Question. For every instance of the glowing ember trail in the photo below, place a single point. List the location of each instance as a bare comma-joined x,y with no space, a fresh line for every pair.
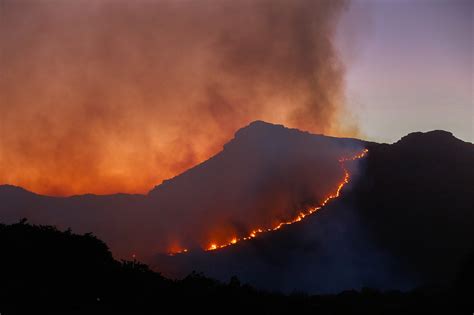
214,246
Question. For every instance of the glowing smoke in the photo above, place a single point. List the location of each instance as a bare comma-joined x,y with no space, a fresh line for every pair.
105,96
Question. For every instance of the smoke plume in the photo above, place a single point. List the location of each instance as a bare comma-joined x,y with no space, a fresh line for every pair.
105,96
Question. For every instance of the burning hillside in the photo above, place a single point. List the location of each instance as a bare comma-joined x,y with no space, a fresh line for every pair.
301,215
267,176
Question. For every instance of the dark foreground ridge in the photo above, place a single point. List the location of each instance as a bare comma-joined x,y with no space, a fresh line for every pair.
46,271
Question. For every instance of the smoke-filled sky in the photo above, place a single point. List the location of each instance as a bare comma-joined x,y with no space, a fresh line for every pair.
106,96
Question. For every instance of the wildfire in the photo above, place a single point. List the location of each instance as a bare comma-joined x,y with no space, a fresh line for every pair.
178,251
300,216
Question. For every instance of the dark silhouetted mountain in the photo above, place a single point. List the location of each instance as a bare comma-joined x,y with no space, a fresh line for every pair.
416,200
406,220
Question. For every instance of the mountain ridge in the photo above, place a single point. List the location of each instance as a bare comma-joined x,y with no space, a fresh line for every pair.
262,161
410,186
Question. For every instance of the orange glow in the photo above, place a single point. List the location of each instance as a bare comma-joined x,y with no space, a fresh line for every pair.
213,247
80,114
176,248
303,214
179,251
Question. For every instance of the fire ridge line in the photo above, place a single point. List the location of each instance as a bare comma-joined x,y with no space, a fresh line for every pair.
298,218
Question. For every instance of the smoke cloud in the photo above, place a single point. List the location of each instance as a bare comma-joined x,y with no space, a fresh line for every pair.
105,96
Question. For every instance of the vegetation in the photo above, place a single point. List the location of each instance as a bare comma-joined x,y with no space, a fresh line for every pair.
46,271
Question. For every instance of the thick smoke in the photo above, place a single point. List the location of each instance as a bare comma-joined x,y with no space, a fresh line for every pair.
105,96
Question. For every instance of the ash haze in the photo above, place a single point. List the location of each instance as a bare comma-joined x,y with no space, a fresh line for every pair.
106,96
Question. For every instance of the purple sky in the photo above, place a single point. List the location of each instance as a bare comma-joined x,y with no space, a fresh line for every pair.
409,66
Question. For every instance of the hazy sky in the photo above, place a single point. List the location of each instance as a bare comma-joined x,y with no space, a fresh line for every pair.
116,95
409,66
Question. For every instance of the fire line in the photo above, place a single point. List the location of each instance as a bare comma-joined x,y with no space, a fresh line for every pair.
253,234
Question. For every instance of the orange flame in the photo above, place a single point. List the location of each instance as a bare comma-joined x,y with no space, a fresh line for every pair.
300,216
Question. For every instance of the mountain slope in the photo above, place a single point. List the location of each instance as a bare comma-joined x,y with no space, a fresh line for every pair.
406,220
416,201
266,174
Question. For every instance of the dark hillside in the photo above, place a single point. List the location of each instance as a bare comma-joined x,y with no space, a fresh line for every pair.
416,199
45,271
405,220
